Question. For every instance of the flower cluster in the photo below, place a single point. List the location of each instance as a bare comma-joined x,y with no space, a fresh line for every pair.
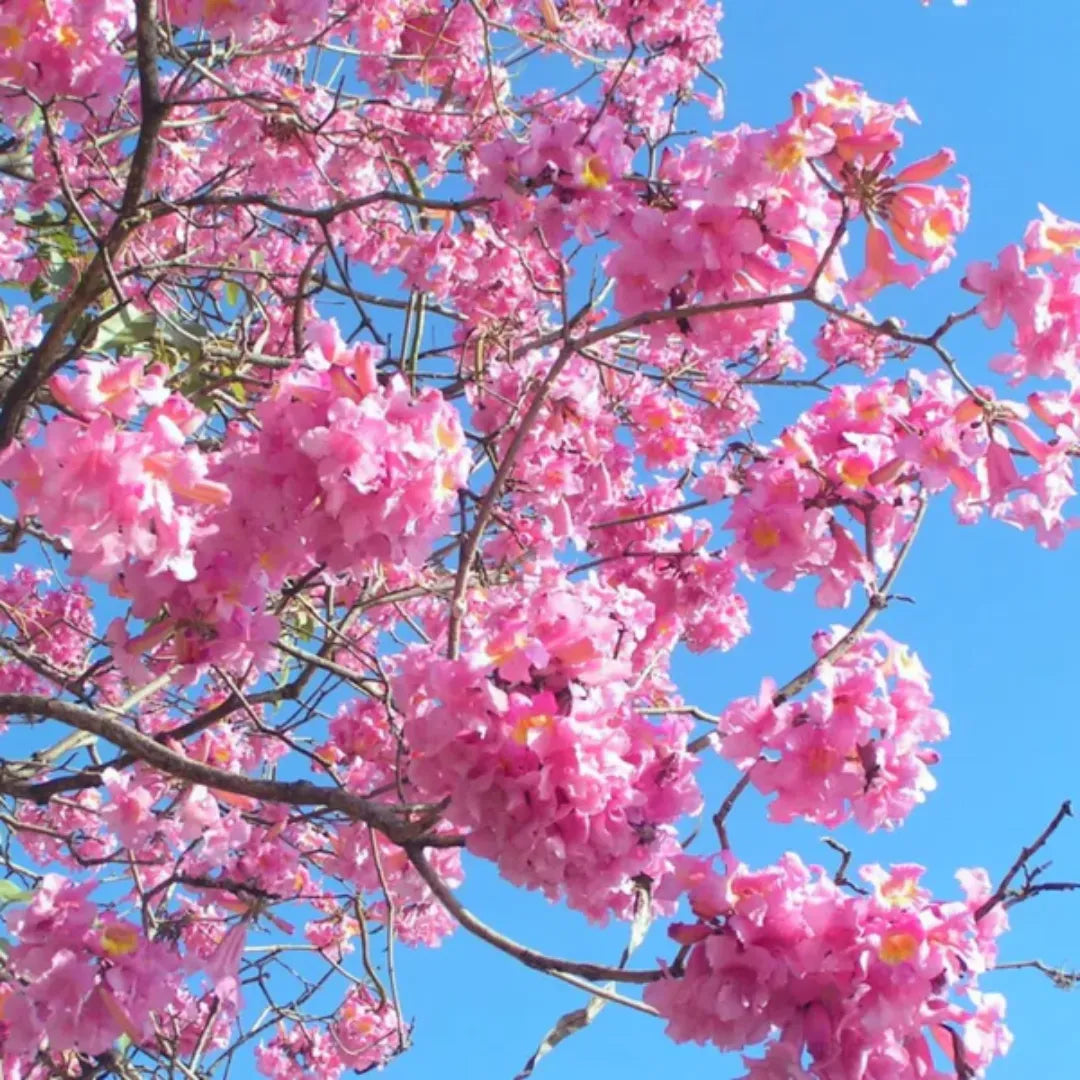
48,625
78,979
369,755
858,747
343,471
861,985
363,1034
379,601
664,556
533,736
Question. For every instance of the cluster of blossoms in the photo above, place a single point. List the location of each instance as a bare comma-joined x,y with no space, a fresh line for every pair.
870,454
341,471
80,978
843,341
77,980
857,747
664,556
854,984
364,1034
47,625
61,49
119,497
368,754
573,467
533,736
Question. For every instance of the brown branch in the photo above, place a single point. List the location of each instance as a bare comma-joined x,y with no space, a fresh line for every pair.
529,957
41,793
633,519
487,504
577,1020
50,353
326,214
682,710
1001,893
963,1070
1062,979
879,600
393,821
721,815
840,877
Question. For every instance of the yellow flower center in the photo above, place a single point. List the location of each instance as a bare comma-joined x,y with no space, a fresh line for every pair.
899,893
595,174
764,534
1063,240
856,472
937,230
820,760
445,436
500,651
528,724
786,155
898,948
119,940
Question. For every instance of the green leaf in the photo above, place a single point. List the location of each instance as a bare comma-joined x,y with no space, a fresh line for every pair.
39,219
183,334
61,275
122,330
232,293
10,893
31,121
66,244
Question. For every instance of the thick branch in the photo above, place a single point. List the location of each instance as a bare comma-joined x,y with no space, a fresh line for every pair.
392,821
326,214
50,354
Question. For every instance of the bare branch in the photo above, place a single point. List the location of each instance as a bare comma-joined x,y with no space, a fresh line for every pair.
529,957
1001,893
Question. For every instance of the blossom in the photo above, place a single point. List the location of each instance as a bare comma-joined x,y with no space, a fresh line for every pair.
1009,289
532,736
860,747
787,959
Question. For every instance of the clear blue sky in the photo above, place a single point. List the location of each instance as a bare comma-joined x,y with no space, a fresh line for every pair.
995,619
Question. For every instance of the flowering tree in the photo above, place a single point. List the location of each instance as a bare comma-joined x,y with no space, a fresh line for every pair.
378,382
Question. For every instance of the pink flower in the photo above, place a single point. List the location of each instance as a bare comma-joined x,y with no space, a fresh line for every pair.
791,961
882,268
860,748
1009,289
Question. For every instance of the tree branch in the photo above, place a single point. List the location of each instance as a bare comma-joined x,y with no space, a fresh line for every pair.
393,821
50,353
1002,891
529,957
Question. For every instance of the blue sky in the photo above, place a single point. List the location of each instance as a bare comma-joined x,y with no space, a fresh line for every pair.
994,614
